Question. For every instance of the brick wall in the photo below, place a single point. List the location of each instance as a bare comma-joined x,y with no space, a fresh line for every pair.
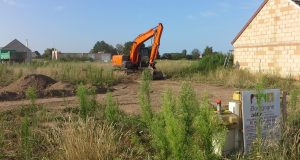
271,42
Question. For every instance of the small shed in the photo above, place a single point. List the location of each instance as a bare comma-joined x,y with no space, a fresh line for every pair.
270,40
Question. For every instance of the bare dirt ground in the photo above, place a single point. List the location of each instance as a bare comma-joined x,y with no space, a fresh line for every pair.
127,96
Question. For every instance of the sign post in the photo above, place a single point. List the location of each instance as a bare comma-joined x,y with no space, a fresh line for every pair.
263,108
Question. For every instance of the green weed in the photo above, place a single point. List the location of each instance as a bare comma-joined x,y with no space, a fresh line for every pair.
144,97
31,95
87,101
112,112
185,128
26,139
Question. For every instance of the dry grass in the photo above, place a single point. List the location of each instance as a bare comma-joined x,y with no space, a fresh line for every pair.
90,140
174,68
76,72
229,77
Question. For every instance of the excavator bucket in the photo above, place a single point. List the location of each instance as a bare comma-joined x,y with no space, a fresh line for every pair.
158,75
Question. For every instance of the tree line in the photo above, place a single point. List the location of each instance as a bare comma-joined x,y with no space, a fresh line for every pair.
104,47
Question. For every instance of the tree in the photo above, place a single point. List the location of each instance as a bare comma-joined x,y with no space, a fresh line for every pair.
120,48
37,53
48,53
208,51
103,47
195,53
166,56
127,48
184,52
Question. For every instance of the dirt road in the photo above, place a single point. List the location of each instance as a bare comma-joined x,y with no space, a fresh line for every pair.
127,96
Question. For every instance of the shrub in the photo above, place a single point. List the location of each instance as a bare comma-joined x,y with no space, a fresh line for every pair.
209,63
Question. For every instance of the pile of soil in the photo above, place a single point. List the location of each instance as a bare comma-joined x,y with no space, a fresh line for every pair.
60,89
17,89
45,87
37,81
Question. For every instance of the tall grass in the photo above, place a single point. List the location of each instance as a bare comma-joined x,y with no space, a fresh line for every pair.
90,140
210,70
74,72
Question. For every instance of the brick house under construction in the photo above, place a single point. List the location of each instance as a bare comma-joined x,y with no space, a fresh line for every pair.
270,41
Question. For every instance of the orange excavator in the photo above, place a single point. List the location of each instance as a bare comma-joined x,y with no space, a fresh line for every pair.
141,57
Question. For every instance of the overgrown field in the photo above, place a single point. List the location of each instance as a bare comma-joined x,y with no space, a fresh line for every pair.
74,72
205,72
184,129
208,70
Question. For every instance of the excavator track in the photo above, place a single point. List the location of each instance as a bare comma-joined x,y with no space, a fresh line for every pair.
136,74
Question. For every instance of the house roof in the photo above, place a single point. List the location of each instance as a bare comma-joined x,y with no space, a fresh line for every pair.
17,46
254,15
297,2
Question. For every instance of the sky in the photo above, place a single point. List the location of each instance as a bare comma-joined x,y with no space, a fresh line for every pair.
76,25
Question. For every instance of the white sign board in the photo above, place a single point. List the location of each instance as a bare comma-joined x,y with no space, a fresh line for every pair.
269,114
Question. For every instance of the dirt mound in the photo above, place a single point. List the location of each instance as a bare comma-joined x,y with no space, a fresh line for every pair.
60,89
45,87
17,89
37,81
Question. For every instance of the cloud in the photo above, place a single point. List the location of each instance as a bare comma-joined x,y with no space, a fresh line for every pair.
208,14
59,8
9,2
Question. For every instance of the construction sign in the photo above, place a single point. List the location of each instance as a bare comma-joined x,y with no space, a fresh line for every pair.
261,115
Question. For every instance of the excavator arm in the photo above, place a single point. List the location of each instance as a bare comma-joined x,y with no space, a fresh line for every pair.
156,44
154,32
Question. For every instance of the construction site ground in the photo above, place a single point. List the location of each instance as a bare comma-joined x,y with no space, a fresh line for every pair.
127,93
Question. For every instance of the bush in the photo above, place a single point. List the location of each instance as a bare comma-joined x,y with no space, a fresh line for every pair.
209,63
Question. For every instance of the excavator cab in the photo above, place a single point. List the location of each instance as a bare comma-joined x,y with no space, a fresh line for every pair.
123,61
